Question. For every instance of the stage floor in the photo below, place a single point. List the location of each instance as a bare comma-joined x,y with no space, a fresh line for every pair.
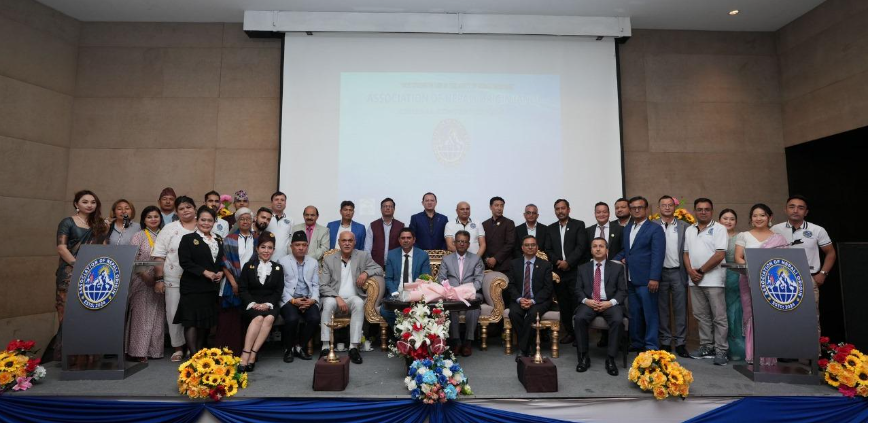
492,374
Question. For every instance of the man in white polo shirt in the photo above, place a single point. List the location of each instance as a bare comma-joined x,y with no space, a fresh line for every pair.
281,225
705,244
811,238
463,222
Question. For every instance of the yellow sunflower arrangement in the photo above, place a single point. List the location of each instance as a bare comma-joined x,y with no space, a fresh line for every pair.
681,213
211,373
18,367
658,372
846,369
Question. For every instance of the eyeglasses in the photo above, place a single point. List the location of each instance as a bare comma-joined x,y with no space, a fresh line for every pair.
245,219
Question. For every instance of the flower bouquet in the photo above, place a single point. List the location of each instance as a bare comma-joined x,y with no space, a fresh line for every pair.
18,368
658,371
681,213
436,379
420,331
211,373
845,369
225,201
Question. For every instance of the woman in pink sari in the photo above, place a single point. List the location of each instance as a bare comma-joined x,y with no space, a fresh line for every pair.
760,236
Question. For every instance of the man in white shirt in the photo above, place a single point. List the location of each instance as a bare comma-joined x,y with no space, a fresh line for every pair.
674,280
221,226
463,223
705,244
811,238
281,225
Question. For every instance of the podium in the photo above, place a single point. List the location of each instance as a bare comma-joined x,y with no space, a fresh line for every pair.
784,318
96,311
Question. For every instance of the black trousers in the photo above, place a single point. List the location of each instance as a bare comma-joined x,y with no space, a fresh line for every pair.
292,316
564,291
584,316
522,321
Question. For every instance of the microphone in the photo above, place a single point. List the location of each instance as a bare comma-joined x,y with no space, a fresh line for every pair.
126,221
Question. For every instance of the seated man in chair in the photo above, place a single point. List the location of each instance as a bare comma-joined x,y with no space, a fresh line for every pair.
601,289
531,286
341,283
403,265
460,268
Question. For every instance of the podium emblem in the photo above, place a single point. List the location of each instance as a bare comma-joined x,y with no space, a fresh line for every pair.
781,284
99,283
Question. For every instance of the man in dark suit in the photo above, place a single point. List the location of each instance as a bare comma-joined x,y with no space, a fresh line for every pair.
531,227
499,237
403,265
600,291
603,228
644,256
531,286
566,245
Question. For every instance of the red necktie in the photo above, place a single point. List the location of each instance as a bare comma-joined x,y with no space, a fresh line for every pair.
595,295
526,288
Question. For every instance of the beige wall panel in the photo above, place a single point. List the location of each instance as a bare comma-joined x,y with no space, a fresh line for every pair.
819,19
709,42
635,126
837,108
251,72
33,113
248,123
35,226
255,171
150,34
191,72
32,170
234,36
36,57
715,127
144,123
119,72
830,56
140,173
632,72
34,277
42,18
709,78
37,327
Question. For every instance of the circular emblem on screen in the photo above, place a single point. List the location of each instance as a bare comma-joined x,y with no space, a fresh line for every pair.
781,284
98,283
450,142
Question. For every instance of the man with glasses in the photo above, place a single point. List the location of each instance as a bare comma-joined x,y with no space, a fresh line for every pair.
531,286
531,227
643,254
674,279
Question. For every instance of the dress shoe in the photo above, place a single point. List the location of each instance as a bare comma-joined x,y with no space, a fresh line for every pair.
324,352
611,367
302,353
584,363
355,357
518,357
682,351
466,349
288,356
569,339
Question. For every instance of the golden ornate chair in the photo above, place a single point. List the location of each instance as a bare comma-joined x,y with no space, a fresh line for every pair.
550,320
492,309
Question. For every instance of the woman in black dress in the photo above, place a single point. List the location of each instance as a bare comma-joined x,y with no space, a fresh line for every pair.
260,286
200,254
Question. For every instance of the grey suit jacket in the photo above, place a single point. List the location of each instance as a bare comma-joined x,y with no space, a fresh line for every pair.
319,243
680,230
291,277
472,273
330,278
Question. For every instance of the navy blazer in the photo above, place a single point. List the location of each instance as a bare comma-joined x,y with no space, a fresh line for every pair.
358,229
420,265
429,237
645,258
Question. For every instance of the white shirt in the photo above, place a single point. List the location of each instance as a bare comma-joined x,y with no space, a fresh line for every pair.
166,246
562,229
220,228
700,248
263,270
211,242
671,233
531,231
810,236
245,248
602,265
409,271
341,228
348,285
369,238
634,231
283,230
474,229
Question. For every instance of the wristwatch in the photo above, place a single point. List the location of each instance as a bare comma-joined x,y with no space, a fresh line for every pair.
824,272
700,271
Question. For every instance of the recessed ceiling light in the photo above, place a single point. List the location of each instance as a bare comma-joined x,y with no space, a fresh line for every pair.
733,12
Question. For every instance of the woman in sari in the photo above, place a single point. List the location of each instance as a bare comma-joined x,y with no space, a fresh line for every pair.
147,306
760,236
84,227
735,339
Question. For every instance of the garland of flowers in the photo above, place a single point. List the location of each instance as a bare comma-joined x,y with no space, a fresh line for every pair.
681,213
436,380
211,373
18,367
658,371
846,368
420,331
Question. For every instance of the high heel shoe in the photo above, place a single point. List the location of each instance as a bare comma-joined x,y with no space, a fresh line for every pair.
241,368
251,364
